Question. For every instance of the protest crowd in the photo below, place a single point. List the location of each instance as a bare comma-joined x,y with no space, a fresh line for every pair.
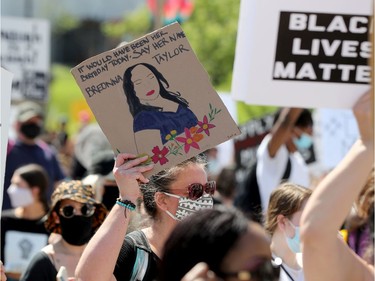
74,209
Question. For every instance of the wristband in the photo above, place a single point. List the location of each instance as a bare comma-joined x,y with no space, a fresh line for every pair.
126,204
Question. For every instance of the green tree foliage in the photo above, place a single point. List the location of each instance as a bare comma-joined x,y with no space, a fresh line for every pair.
212,31
132,26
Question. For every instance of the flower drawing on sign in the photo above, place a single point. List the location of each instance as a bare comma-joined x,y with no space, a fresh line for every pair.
205,126
183,143
159,155
191,139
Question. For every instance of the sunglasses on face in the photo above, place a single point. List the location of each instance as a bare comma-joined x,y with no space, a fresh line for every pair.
196,190
268,270
68,211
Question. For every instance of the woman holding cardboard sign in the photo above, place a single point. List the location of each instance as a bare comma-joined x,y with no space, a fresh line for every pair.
326,257
168,197
157,112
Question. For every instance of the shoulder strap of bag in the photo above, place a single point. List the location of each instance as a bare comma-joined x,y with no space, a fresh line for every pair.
141,260
140,265
287,170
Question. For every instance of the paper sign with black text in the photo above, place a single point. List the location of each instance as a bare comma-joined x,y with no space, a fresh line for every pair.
25,51
303,53
152,96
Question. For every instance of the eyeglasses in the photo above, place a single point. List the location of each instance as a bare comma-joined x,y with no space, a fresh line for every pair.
68,211
196,190
268,270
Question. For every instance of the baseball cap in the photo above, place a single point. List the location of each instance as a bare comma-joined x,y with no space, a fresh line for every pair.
28,110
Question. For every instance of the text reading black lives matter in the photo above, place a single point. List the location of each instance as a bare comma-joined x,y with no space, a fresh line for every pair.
323,48
155,44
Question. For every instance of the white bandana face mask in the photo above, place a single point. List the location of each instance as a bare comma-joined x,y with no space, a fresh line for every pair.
20,197
186,206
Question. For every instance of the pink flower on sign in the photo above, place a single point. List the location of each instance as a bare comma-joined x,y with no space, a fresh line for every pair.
159,155
205,126
190,140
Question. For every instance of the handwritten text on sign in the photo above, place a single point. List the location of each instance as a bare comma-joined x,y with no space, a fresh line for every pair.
146,46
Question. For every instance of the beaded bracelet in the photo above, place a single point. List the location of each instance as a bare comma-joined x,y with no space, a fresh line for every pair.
126,204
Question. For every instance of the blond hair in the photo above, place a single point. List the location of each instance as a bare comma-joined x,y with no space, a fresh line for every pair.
285,200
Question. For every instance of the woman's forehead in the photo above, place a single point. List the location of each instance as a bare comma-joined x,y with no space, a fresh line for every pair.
140,70
192,173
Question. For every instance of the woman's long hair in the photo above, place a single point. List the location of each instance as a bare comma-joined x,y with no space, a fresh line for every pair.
135,106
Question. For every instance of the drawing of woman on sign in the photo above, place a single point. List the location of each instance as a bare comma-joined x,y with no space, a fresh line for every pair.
156,111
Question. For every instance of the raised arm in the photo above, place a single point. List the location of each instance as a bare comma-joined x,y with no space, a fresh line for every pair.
325,256
282,129
99,257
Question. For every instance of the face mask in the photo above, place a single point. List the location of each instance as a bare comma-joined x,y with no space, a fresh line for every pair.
294,243
303,142
76,230
31,130
213,166
20,197
186,206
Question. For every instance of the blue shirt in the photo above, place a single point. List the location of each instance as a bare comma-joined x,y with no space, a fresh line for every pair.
165,121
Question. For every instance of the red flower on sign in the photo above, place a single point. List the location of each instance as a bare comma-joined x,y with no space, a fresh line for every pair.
159,155
190,140
205,126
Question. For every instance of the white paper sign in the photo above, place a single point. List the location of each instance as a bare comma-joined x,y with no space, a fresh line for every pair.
6,86
335,132
20,247
302,53
25,51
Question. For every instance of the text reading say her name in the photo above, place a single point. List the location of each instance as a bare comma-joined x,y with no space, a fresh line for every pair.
144,46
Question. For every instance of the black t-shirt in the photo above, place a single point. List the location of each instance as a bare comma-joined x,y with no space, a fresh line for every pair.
133,242
22,238
40,269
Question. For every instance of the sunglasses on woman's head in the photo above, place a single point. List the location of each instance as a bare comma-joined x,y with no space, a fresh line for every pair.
268,270
68,211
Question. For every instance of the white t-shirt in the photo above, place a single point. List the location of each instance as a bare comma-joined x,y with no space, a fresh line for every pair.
270,170
297,275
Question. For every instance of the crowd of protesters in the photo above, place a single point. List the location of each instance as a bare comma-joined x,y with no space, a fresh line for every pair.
75,209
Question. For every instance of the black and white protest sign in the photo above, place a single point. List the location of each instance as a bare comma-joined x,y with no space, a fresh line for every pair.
323,47
303,53
25,51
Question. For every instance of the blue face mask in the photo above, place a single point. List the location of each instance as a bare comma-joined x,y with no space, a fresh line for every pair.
303,142
294,243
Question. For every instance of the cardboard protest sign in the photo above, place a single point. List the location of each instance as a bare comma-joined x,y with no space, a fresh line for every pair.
303,53
25,51
6,86
152,96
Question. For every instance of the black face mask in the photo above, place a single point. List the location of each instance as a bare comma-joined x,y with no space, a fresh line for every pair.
109,196
30,130
76,230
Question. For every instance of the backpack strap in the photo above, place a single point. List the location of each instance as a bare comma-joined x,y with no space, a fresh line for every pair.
287,170
142,256
140,265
